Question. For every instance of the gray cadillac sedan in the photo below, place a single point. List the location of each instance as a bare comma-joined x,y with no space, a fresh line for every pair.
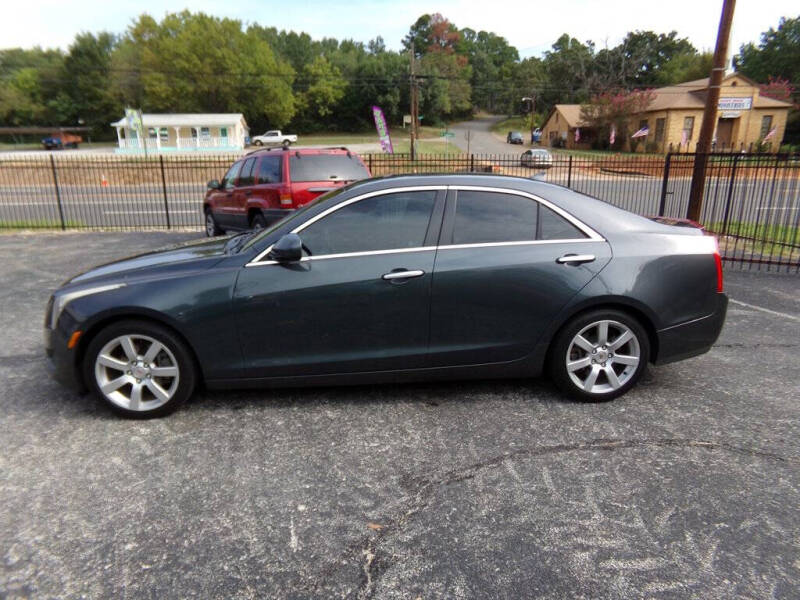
403,278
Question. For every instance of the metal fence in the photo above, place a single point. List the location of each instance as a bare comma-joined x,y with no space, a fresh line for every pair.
752,201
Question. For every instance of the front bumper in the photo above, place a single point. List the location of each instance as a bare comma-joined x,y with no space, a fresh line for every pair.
693,338
61,361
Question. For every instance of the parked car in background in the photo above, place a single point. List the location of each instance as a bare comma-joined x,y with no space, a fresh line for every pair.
537,158
60,140
266,185
274,138
403,278
514,137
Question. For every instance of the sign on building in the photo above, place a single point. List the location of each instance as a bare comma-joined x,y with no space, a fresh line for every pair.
732,104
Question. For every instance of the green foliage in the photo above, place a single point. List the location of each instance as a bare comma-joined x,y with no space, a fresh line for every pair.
777,54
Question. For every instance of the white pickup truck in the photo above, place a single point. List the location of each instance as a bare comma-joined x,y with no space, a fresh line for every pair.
274,138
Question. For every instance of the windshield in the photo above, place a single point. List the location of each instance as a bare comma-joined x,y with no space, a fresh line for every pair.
295,216
326,167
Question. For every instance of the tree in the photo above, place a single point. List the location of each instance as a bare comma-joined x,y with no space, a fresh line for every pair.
325,89
198,63
614,109
568,66
647,53
432,33
777,54
30,81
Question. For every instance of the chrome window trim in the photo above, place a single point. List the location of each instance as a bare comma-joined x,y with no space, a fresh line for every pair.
593,235
417,188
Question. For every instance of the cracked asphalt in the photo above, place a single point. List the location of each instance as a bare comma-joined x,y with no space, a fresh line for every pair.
689,486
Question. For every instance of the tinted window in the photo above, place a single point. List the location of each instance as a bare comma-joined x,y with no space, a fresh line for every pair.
385,222
269,171
553,226
231,175
485,217
326,167
246,177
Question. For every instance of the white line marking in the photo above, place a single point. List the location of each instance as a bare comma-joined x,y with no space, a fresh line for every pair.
766,310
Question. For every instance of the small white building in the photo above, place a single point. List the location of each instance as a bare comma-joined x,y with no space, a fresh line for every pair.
185,132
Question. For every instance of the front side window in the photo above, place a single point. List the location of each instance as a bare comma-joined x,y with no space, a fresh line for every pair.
247,177
388,222
231,175
269,171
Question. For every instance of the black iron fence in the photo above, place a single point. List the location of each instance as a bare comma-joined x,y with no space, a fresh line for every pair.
752,201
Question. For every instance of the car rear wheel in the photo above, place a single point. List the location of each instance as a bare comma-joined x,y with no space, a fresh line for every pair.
286,143
599,355
212,229
258,222
258,143
139,369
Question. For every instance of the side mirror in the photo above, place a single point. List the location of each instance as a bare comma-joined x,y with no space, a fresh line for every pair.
287,249
213,184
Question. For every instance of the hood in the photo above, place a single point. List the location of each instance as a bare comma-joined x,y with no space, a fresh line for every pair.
204,251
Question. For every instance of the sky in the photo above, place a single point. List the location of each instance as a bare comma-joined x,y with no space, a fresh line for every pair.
531,25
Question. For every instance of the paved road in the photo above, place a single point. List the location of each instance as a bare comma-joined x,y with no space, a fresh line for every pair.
687,487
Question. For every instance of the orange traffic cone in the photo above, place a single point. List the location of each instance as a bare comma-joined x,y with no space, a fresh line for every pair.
103,181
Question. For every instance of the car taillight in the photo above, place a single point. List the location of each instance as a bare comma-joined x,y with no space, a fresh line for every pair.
286,198
718,261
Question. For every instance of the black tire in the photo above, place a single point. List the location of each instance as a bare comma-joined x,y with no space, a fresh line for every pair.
258,143
258,222
562,343
186,371
286,143
212,227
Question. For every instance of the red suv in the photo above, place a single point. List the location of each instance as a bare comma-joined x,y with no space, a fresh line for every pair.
266,185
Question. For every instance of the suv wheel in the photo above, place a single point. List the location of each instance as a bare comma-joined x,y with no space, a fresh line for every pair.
139,369
258,222
599,356
212,229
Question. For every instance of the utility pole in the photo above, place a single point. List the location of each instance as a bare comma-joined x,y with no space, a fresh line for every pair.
710,112
414,96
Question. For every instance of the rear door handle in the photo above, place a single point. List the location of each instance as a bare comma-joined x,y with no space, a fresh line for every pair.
402,275
575,259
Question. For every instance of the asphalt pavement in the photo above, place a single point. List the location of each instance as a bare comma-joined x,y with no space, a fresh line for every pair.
689,486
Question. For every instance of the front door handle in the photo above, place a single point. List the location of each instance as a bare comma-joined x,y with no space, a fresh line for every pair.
402,275
575,259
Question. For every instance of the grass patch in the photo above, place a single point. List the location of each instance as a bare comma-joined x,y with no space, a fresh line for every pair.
366,137
763,231
38,224
511,124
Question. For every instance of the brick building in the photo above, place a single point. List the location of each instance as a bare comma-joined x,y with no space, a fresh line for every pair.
744,117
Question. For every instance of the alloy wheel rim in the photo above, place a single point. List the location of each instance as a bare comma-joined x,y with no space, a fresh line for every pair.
137,372
603,356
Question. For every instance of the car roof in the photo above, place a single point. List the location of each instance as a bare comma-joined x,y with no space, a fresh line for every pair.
302,151
605,218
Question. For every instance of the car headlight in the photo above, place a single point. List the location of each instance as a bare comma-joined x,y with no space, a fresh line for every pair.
60,301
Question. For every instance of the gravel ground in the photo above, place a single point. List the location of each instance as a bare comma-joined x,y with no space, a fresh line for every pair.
689,486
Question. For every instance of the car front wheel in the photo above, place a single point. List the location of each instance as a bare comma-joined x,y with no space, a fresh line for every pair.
212,229
139,369
599,356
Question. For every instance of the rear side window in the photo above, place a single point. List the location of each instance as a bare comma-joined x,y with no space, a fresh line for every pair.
326,167
553,226
269,170
487,217
494,217
247,177
387,222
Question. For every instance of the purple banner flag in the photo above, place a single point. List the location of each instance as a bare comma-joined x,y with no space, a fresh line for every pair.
383,130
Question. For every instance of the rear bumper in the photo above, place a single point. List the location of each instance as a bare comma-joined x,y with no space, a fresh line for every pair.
693,338
273,215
